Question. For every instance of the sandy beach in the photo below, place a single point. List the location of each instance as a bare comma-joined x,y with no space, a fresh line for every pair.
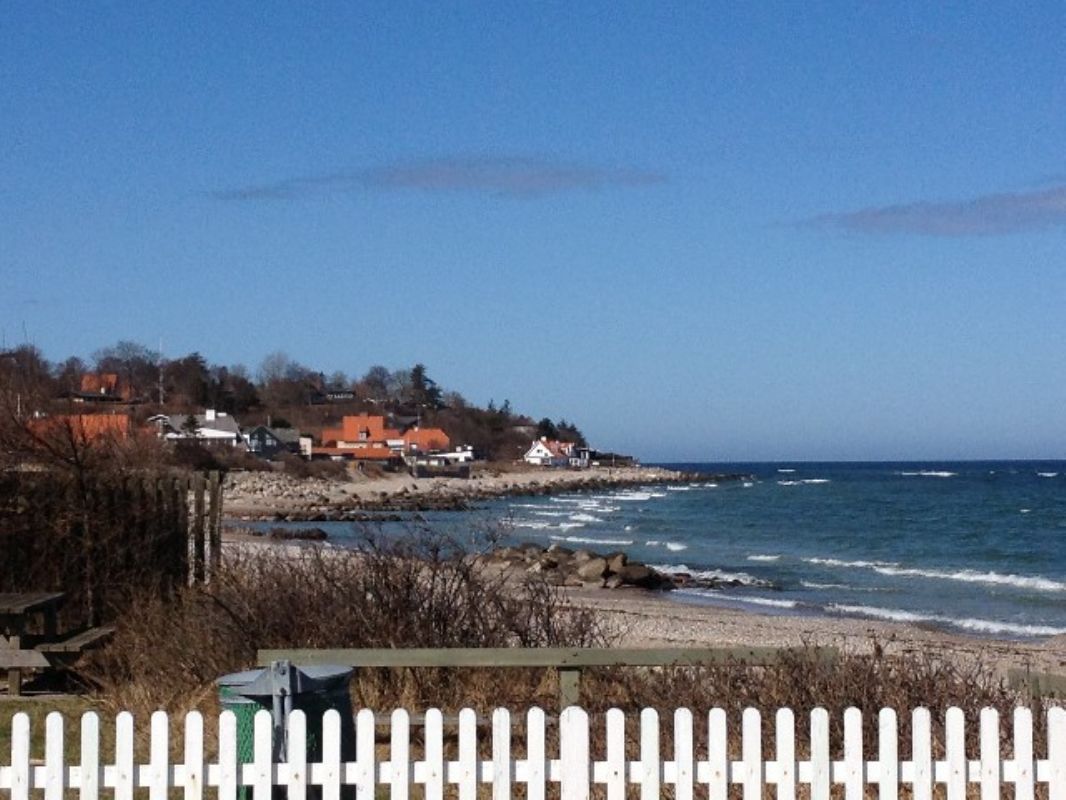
646,619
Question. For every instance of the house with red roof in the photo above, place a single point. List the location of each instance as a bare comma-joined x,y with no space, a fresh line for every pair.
84,428
547,452
367,437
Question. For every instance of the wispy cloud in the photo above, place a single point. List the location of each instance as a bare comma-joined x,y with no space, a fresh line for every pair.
504,176
987,215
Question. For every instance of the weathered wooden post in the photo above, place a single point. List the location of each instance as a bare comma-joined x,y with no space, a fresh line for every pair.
215,522
198,487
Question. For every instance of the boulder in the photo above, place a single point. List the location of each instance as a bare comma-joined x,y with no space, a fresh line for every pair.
636,574
616,561
593,569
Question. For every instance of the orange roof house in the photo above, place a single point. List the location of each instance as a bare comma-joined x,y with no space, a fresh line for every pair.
105,385
360,428
366,437
84,428
426,439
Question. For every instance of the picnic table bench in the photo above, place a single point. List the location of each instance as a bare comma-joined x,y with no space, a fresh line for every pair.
22,650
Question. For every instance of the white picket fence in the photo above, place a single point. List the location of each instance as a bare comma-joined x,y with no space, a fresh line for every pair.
687,773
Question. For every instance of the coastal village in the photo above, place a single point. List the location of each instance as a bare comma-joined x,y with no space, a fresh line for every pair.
106,407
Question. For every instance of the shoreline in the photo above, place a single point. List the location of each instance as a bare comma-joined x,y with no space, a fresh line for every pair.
647,619
277,497
643,618
640,618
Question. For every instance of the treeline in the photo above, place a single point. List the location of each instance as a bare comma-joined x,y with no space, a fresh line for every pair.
281,391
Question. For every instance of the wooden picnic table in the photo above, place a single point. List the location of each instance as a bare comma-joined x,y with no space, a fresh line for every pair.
24,646
17,610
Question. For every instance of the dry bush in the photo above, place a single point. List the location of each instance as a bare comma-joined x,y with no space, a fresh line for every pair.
411,592
802,681
302,468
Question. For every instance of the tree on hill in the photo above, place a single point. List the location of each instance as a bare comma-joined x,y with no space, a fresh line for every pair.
568,432
546,429
424,390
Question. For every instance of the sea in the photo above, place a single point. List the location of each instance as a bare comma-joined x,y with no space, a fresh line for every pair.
974,547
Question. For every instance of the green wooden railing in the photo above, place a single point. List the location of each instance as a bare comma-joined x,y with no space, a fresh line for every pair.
568,661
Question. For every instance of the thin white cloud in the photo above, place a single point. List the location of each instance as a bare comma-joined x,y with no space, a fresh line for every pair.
987,215
496,175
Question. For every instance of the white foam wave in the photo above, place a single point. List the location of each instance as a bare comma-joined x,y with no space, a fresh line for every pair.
838,562
804,482
1036,582
679,488
930,473
551,513
633,496
761,557
747,484
676,547
765,601
531,524
592,540
584,518
742,578
710,486
966,623
786,470
739,598
815,585
1048,474
540,525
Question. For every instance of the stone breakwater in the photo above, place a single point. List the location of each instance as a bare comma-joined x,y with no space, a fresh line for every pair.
561,566
268,496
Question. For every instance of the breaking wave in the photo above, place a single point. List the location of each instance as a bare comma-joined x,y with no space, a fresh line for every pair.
741,578
966,623
592,540
973,576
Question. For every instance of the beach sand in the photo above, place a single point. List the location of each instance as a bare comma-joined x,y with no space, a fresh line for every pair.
646,619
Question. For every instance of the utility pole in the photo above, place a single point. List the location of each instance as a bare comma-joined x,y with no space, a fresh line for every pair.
160,366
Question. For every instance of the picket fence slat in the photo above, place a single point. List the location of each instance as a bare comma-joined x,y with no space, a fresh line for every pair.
508,763
1056,757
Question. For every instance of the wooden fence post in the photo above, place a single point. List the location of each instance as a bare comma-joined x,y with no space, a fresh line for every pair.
198,488
214,522
569,687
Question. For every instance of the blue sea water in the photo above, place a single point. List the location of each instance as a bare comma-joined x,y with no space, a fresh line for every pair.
978,547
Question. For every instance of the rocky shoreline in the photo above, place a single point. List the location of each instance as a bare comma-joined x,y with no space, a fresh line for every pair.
266,496
586,569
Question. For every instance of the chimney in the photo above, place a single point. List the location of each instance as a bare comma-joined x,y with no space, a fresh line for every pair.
209,415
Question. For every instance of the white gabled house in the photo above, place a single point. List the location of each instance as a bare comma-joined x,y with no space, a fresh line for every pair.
547,452
211,427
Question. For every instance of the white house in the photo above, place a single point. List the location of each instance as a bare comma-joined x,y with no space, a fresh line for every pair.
547,452
211,427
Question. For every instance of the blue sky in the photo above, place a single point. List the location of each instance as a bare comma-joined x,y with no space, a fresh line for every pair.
702,231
